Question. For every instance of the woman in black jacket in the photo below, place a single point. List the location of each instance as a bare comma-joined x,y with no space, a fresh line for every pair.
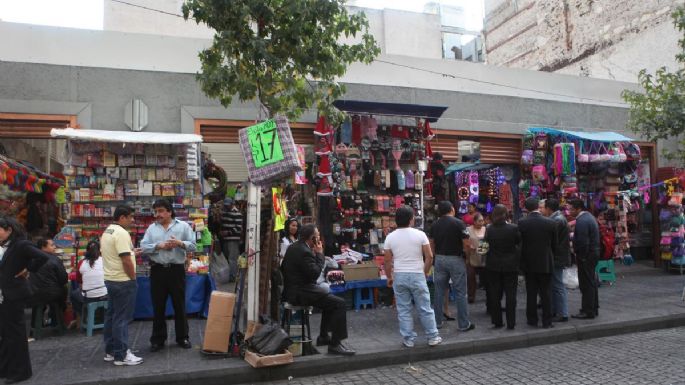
502,266
18,256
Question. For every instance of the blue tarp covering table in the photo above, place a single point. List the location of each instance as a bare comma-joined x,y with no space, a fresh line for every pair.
198,290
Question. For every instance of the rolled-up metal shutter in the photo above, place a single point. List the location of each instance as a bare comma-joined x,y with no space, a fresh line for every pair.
500,150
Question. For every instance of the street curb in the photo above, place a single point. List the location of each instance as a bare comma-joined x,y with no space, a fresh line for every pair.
317,365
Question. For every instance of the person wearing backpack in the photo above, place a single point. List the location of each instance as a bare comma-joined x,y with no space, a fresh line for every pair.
586,246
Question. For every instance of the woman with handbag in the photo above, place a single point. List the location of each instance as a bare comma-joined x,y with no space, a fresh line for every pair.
475,257
502,266
18,256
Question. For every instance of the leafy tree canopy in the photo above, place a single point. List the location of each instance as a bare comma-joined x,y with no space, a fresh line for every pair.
270,49
658,112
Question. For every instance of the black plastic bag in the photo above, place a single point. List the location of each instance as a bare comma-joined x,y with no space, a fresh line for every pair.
270,339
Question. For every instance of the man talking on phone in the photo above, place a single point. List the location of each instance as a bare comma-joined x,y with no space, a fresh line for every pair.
302,265
167,242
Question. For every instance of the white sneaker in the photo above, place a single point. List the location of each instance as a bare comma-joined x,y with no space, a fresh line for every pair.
408,343
109,358
435,341
130,360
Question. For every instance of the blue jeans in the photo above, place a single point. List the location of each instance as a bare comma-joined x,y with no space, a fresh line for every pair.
559,300
446,267
121,304
408,287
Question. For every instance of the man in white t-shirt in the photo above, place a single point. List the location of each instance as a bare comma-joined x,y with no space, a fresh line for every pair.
408,260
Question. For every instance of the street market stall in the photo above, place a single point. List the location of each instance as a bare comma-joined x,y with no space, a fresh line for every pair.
108,168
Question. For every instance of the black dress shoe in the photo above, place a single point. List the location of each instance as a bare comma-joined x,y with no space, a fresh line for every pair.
583,316
340,349
533,324
185,344
448,317
15,380
497,326
560,319
323,340
156,347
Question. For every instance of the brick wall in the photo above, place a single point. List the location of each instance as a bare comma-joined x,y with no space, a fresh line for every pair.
580,36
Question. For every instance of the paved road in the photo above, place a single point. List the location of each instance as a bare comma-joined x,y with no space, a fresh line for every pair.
655,357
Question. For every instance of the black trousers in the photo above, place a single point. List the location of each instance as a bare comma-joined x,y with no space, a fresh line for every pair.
588,285
333,317
15,362
539,284
502,282
165,282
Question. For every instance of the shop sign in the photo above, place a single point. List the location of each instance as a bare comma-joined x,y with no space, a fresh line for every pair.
264,142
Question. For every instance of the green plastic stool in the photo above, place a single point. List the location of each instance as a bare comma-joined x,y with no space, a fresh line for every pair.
605,271
37,327
88,316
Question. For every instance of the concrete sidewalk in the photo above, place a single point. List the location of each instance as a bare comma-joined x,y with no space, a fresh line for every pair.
642,299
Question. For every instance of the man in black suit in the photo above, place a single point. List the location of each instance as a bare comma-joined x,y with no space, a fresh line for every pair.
539,240
586,247
302,265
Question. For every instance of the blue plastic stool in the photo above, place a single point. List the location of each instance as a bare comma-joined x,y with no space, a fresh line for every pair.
605,271
361,300
89,315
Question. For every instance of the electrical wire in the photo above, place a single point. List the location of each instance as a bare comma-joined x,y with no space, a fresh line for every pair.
146,8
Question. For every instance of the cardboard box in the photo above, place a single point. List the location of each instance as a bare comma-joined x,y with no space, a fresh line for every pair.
360,272
219,322
259,361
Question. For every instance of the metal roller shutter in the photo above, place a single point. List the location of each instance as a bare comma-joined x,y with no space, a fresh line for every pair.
500,150
32,126
447,145
229,157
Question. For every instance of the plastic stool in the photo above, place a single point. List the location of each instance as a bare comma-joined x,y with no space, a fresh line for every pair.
605,271
303,312
360,300
37,312
88,316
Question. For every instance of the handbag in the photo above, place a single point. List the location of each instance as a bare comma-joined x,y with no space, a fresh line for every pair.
582,157
539,173
270,339
272,165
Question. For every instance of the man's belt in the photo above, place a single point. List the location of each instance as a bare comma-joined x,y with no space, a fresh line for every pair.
166,265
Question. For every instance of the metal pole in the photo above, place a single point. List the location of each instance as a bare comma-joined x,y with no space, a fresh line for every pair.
251,249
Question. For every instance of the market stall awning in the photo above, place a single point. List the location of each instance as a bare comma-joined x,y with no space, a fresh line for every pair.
432,113
602,136
124,136
454,167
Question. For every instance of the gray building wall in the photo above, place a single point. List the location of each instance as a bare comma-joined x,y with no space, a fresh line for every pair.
99,95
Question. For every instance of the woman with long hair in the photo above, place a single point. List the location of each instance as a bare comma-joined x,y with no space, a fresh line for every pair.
502,266
475,257
18,256
288,235
90,275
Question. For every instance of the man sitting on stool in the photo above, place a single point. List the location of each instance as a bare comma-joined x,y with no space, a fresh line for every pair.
301,268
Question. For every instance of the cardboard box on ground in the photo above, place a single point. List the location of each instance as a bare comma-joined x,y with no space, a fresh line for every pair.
360,271
219,322
257,360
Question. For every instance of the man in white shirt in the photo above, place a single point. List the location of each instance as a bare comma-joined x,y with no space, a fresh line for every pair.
406,268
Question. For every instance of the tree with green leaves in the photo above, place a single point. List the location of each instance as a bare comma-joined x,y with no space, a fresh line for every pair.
658,111
284,53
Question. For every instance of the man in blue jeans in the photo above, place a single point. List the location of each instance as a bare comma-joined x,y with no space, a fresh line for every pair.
448,234
406,269
120,279
562,260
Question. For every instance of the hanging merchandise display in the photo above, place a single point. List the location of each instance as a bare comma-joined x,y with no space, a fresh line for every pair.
672,242
482,185
364,172
600,168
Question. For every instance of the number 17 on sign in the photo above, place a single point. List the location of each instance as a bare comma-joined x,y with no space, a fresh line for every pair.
264,142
